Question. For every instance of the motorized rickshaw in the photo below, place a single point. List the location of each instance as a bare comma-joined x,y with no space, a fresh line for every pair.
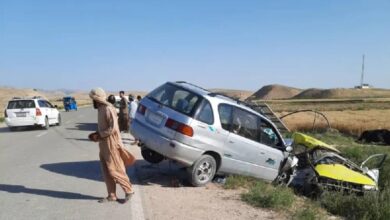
70,103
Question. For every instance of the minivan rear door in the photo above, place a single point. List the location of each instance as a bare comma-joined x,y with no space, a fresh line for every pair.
168,102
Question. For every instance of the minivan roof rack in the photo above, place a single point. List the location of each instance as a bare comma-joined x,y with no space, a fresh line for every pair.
214,94
184,82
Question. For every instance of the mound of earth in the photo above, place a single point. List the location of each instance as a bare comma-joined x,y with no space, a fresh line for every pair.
275,92
55,96
342,93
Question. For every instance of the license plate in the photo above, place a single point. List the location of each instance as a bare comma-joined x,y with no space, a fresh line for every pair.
155,119
21,114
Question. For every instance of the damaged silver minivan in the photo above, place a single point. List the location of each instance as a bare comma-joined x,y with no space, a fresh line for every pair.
209,133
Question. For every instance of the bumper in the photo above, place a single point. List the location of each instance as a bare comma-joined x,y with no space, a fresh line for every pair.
170,148
16,122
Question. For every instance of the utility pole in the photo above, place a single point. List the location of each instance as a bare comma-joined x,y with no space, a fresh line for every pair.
362,78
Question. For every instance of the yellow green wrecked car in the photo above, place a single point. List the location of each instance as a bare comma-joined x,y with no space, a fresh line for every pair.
322,168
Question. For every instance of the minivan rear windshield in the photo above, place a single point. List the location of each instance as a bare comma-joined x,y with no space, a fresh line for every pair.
17,104
175,97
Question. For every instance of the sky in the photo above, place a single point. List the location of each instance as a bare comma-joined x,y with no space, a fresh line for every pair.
138,45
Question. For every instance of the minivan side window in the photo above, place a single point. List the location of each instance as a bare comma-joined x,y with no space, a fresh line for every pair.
206,113
246,124
268,135
225,115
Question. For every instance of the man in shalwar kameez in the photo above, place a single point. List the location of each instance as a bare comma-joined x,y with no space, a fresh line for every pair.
123,113
108,136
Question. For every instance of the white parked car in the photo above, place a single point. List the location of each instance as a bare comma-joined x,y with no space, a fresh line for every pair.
34,111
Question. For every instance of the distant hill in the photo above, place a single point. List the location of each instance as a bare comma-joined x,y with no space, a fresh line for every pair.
238,94
342,93
275,92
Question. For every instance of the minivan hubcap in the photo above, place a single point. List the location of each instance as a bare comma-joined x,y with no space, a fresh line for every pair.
204,171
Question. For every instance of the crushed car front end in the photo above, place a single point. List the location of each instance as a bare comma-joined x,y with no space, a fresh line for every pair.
323,168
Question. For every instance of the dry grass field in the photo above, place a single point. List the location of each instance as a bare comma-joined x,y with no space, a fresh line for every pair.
352,122
348,116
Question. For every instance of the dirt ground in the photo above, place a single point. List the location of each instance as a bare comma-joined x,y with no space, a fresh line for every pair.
166,194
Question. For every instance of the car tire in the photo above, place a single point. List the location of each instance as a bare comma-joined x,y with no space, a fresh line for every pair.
203,170
59,120
47,125
151,156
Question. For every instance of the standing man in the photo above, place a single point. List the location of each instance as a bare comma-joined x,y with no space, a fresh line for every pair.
132,111
133,107
139,98
110,144
123,113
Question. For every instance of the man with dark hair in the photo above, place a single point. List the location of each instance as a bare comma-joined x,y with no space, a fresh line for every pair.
139,98
110,146
123,113
111,99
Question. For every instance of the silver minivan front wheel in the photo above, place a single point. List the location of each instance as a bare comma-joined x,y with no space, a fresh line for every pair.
203,170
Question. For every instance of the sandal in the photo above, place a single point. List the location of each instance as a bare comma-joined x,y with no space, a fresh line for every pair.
107,199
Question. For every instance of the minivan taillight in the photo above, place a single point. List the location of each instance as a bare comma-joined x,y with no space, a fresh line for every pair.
141,109
38,112
179,127
5,113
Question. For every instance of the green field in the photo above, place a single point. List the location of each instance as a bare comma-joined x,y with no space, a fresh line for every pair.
370,206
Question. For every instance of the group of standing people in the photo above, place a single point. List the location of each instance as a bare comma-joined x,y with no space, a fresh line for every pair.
127,109
113,156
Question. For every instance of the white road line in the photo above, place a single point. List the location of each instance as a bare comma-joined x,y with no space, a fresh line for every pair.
137,210
41,134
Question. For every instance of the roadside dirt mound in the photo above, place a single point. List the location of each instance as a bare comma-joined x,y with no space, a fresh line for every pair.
238,94
275,92
7,93
54,96
342,93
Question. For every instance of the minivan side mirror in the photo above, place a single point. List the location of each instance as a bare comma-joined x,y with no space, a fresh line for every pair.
289,149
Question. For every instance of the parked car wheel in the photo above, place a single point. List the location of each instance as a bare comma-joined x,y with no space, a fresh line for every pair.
203,170
47,125
151,156
59,120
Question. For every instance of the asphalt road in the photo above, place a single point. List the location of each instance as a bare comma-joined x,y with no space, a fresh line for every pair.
55,173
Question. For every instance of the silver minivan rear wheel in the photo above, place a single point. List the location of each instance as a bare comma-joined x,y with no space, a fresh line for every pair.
151,156
203,170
